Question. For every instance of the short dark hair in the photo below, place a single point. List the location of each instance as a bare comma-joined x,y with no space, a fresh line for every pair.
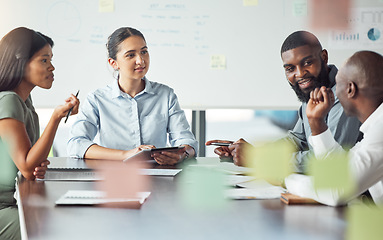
16,48
117,37
298,39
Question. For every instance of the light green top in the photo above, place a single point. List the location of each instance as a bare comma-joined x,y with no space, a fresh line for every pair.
12,106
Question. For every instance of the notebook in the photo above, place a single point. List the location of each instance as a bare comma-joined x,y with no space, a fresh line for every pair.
72,175
67,163
70,169
91,197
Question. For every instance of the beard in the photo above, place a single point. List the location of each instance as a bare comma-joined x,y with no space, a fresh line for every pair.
321,80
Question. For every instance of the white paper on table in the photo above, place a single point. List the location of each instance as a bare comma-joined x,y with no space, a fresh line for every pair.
160,172
85,175
90,197
257,184
225,167
233,169
247,193
255,189
234,180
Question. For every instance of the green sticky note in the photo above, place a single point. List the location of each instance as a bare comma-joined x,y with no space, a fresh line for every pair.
8,169
271,161
332,172
300,8
364,222
202,188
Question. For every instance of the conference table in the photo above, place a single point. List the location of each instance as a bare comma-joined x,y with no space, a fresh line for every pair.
164,216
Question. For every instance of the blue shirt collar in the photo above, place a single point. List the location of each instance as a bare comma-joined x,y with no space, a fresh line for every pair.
116,92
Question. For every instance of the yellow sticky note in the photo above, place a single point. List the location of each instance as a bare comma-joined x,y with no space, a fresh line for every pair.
271,161
364,222
332,172
247,3
106,5
218,62
300,8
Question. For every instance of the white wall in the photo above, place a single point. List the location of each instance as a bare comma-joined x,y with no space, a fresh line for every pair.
182,35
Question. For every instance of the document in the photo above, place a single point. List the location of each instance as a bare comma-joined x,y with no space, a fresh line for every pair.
255,189
71,175
160,172
248,193
90,197
231,168
234,180
226,167
89,175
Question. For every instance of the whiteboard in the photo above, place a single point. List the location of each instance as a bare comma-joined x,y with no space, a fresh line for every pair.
182,36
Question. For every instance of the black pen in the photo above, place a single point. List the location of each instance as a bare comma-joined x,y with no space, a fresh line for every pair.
221,144
70,110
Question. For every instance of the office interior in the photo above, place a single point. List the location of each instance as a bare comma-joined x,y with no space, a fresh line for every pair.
222,58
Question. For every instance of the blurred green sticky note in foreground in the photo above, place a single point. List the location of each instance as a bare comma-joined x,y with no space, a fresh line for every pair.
364,222
202,188
332,172
8,168
271,161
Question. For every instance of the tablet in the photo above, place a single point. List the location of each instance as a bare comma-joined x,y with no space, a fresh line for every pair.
145,154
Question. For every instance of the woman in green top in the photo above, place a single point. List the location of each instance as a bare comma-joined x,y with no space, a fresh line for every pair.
25,62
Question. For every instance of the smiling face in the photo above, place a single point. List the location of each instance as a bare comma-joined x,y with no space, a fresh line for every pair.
39,69
305,69
132,59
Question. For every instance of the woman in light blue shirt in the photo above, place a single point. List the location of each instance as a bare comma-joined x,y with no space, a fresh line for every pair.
131,113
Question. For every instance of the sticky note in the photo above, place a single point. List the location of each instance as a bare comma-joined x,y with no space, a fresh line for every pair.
218,62
202,188
7,166
364,222
329,14
123,180
271,161
300,8
332,172
247,3
106,5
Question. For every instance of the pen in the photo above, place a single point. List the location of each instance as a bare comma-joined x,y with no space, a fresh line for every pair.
70,110
220,144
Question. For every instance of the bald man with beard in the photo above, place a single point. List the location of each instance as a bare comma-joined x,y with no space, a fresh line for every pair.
360,91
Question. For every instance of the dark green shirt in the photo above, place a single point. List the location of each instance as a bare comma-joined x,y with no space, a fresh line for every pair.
12,106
